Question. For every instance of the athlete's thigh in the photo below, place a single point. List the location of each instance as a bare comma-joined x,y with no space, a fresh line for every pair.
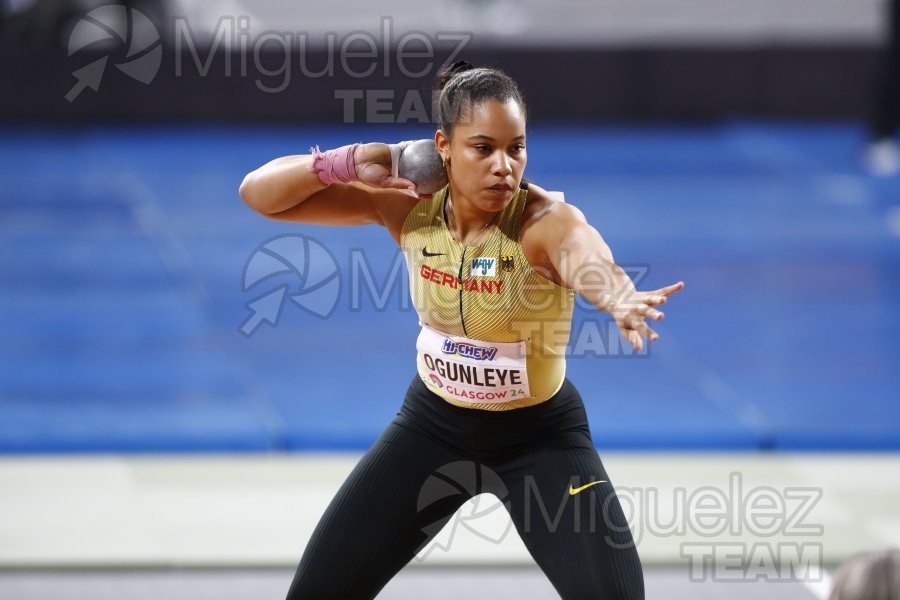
564,507
377,521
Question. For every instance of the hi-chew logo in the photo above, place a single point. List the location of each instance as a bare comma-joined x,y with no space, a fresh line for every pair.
483,267
468,350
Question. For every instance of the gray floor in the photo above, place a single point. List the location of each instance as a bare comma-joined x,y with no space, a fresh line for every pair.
223,520
411,583
242,511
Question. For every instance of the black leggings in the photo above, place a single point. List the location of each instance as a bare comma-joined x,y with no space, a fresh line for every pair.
433,457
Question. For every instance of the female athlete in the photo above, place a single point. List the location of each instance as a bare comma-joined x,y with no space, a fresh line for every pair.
494,264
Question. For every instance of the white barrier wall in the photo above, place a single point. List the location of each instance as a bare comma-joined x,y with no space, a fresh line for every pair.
561,23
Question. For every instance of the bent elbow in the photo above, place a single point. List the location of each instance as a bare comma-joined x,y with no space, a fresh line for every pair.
248,191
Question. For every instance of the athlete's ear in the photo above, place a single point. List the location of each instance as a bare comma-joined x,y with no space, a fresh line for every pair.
442,143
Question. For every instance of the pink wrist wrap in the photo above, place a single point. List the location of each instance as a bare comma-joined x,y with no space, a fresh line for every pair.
334,166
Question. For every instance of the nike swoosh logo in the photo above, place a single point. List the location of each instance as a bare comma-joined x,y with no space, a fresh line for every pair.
428,254
573,491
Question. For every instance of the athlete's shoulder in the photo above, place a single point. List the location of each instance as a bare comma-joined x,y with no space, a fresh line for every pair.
544,208
394,207
546,221
420,217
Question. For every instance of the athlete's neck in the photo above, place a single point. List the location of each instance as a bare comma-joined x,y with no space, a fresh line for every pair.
466,221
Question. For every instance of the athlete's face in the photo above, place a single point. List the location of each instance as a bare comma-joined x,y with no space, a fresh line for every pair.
486,154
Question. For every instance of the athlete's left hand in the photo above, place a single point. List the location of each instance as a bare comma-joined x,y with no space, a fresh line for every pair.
630,312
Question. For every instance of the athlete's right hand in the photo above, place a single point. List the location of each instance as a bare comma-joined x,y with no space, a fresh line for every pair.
373,167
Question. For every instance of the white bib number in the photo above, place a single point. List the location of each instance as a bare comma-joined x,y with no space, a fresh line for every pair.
472,370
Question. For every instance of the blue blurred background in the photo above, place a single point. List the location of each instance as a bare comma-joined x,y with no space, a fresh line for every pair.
730,149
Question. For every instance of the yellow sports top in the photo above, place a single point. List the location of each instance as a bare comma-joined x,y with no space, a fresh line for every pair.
488,293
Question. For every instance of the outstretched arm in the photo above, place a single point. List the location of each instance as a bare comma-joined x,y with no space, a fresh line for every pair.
584,263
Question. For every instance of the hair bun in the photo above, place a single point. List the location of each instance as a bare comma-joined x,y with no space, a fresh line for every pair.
460,66
448,72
